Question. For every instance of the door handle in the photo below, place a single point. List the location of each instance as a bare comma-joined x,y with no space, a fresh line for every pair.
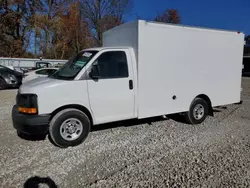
131,84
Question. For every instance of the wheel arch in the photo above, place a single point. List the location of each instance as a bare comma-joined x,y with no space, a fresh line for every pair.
2,78
76,106
207,99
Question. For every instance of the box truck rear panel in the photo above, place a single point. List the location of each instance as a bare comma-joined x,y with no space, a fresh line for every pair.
178,63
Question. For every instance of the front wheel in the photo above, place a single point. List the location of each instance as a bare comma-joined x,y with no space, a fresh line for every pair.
69,127
198,111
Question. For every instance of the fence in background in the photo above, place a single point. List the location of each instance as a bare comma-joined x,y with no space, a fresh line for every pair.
26,62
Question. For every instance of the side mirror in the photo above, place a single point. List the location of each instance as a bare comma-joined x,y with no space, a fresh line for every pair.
94,73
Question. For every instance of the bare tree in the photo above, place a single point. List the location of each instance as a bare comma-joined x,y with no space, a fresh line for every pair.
56,28
72,33
104,14
15,17
46,21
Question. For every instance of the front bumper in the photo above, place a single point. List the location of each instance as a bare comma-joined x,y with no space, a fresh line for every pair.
30,124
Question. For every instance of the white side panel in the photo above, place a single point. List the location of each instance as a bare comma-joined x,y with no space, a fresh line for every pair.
185,62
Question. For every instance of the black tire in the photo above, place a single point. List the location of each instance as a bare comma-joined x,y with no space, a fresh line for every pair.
192,116
22,135
57,123
2,84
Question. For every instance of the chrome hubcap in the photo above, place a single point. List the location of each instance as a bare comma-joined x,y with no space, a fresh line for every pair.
198,112
71,129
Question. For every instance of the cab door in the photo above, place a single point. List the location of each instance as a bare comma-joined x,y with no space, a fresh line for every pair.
112,95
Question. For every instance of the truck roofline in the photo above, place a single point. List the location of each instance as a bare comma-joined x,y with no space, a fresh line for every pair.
107,48
179,25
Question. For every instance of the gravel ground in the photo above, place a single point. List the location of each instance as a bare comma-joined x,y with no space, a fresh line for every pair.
149,153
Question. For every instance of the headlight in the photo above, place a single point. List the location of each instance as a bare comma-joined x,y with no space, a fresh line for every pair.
12,77
27,103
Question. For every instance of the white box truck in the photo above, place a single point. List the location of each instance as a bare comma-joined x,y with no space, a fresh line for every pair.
144,69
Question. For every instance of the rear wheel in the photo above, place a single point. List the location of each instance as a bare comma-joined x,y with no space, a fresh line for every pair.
70,127
198,111
2,84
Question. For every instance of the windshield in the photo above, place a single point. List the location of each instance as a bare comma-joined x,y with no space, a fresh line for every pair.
74,65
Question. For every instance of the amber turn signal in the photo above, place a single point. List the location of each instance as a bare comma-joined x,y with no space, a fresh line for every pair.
27,110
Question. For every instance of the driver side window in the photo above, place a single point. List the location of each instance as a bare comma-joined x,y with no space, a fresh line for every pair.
112,65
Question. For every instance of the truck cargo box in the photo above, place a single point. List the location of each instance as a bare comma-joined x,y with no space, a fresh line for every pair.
177,63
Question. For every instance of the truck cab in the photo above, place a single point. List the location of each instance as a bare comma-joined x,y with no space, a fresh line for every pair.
96,86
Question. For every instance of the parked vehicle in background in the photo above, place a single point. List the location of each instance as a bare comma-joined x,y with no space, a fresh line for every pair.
10,67
58,65
9,78
43,72
41,64
19,69
144,69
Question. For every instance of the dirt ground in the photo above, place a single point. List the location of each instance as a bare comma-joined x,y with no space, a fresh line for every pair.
150,153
